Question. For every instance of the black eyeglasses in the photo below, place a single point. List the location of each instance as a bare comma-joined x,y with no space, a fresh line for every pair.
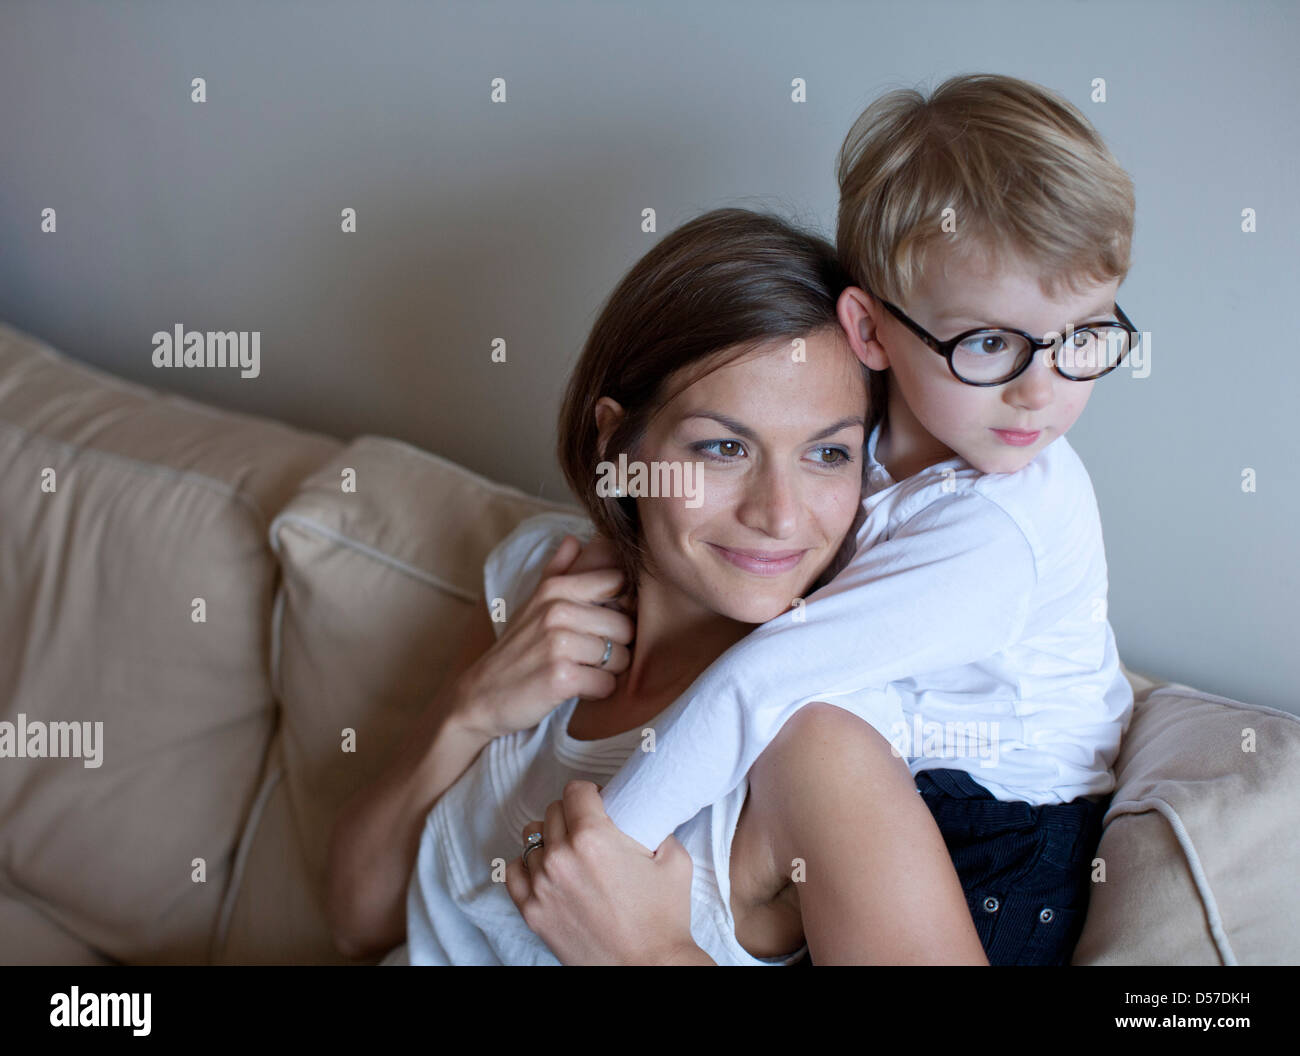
996,356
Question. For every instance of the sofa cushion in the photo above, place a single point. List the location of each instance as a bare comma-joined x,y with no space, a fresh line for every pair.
377,585
29,937
274,914
1199,842
156,500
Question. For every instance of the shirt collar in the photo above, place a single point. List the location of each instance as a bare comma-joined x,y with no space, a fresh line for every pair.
877,476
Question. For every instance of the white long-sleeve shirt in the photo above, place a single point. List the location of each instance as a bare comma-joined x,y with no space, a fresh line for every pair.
977,600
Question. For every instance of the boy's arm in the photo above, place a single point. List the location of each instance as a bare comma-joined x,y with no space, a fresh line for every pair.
951,587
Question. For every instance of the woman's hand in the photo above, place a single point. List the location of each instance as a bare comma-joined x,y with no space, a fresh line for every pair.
600,553
596,896
551,649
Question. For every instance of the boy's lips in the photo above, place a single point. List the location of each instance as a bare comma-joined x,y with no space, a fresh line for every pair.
1018,437
760,562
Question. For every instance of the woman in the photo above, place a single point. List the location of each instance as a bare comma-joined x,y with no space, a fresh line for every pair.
721,347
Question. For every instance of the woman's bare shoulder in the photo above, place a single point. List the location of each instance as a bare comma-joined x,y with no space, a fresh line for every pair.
802,766
818,758
823,756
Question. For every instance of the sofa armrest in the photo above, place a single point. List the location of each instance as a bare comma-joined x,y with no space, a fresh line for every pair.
1198,856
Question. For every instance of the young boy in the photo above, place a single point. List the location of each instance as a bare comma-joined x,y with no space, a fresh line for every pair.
978,587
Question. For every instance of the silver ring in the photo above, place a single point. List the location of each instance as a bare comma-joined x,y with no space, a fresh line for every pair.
609,651
532,843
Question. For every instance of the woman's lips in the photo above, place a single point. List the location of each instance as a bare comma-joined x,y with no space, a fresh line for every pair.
761,562
1017,437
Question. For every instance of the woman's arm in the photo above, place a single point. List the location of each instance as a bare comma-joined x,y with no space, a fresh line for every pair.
879,886
377,833
492,688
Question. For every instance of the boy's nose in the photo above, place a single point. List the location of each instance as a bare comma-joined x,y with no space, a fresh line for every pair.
1034,387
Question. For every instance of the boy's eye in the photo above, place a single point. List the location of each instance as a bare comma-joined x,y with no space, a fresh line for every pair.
991,344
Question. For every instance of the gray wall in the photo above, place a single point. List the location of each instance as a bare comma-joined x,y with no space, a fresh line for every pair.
479,220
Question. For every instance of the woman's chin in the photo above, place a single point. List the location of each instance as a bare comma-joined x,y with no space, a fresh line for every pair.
757,610
749,598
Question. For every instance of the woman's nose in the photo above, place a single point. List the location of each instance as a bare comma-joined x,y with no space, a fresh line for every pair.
771,504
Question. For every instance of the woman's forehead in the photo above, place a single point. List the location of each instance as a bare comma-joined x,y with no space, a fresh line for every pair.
810,381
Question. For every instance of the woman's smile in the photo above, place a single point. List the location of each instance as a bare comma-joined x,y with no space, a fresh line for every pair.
761,562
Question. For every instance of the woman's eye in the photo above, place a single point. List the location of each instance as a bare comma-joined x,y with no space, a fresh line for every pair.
843,456
732,450
726,449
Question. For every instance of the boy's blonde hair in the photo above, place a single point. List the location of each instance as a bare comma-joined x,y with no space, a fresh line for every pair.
1027,175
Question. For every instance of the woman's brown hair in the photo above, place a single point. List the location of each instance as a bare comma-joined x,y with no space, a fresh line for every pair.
725,284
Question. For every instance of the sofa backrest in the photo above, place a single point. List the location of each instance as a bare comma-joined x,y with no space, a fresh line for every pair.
119,507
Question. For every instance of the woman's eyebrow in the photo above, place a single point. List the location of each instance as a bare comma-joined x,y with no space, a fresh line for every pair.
743,430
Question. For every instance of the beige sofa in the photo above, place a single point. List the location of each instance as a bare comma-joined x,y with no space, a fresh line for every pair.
202,584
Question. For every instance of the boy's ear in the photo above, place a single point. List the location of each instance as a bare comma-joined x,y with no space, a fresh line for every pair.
858,313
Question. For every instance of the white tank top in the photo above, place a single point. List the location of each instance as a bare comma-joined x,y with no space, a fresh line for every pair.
456,913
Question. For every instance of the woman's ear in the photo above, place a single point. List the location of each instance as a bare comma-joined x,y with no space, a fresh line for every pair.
609,415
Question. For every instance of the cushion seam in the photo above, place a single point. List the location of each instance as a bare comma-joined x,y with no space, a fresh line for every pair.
236,882
277,618
1208,902
418,574
1181,690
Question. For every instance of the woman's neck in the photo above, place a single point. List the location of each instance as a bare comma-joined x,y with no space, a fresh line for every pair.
676,639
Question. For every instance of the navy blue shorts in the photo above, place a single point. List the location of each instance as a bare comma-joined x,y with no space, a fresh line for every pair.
1026,870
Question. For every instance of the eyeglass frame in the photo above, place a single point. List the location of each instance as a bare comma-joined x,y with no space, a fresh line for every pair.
947,348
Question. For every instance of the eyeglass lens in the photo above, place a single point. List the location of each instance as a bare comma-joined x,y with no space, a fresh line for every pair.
995,355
